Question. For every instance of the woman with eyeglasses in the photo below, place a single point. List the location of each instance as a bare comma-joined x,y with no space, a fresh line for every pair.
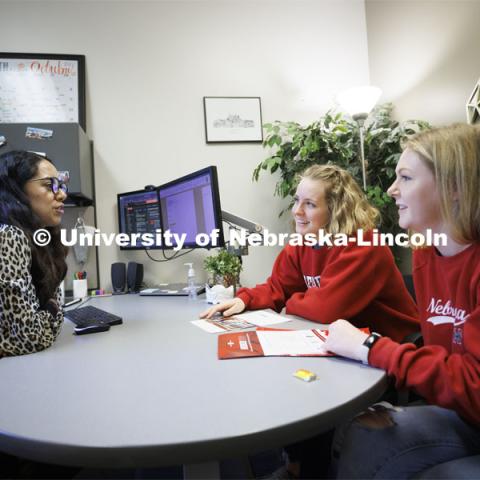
32,193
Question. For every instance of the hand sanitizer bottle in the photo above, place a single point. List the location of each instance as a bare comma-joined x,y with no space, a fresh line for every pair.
191,287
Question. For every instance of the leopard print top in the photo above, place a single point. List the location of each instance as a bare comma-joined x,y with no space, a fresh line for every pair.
24,328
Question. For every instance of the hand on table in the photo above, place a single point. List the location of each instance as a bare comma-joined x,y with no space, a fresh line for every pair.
346,340
52,306
230,307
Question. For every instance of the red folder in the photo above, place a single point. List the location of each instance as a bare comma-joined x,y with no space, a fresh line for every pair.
239,344
247,344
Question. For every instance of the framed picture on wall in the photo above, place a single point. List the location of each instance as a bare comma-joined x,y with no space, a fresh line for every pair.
42,88
233,119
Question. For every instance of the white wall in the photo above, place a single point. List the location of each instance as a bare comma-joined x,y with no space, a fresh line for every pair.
149,63
424,55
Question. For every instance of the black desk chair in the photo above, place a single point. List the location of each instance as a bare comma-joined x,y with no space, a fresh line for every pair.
408,279
405,396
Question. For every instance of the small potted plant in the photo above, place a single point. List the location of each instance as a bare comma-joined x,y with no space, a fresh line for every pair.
224,267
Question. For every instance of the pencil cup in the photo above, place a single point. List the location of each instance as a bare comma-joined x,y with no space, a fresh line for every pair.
80,288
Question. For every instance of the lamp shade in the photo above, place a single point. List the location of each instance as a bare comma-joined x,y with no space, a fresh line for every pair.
359,101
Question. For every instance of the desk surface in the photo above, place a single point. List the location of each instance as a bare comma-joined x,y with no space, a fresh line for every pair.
152,392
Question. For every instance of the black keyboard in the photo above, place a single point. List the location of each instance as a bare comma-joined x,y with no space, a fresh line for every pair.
91,320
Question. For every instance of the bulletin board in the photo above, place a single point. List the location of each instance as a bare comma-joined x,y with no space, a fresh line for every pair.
42,88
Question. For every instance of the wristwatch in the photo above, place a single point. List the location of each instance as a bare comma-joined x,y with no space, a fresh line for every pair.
371,340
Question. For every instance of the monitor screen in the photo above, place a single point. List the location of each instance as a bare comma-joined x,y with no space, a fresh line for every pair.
190,206
139,213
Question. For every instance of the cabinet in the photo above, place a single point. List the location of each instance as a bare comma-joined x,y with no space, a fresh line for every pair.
68,148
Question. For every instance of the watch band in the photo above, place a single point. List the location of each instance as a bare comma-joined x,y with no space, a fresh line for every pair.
371,339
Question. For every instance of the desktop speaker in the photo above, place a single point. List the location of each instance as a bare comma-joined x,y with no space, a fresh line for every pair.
134,276
119,278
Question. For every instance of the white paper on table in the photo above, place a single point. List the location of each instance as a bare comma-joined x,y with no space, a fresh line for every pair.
291,342
207,326
262,318
228,324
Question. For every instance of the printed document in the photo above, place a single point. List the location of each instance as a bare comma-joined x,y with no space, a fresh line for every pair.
242,321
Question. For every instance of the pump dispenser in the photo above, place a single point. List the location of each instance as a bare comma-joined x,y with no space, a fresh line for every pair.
191,287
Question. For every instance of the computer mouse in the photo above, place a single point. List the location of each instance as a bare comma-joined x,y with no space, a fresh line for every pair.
83,330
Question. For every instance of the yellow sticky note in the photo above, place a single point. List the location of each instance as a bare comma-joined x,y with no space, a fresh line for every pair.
305,375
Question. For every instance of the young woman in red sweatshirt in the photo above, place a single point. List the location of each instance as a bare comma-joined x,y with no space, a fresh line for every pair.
437,187
323,283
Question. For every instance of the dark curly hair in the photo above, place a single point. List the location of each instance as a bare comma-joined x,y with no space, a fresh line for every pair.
48,267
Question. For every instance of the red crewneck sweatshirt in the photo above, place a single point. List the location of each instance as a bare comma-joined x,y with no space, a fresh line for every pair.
446,371
358,283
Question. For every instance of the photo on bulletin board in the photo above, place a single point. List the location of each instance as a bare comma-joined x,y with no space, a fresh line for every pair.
233,119
42,88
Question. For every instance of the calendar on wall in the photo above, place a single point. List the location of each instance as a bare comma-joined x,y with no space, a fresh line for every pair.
42,88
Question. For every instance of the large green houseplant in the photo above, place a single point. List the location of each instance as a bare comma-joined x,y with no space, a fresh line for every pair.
335,139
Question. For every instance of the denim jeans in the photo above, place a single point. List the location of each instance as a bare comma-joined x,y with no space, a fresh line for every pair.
410,441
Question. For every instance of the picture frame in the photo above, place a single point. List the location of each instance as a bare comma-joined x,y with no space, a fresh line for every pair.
233,119
42,88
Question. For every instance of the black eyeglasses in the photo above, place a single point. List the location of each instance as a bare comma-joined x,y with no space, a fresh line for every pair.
56,184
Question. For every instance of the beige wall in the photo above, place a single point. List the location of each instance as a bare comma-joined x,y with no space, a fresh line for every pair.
424,55
149,63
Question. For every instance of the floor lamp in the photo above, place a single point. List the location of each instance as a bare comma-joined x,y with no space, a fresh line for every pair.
359,102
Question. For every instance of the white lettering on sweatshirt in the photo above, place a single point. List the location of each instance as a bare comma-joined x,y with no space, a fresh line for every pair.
445,313
312,281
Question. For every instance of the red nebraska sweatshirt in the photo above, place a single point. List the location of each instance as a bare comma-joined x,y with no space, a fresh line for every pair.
446,371
358,283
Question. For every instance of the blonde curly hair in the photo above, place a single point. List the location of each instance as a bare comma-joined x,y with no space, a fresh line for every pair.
347,204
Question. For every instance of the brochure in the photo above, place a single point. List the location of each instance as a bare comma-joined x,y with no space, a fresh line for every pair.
241,321
266,342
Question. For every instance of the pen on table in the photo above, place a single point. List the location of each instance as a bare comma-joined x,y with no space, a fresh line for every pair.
320,334
219,317
72,302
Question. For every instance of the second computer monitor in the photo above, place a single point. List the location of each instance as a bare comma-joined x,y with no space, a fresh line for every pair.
190,205
139,214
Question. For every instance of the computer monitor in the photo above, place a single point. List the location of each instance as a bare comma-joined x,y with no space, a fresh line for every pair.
139,213
191,205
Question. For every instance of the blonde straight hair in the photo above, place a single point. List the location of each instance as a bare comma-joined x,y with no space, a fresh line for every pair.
452,153
347,204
